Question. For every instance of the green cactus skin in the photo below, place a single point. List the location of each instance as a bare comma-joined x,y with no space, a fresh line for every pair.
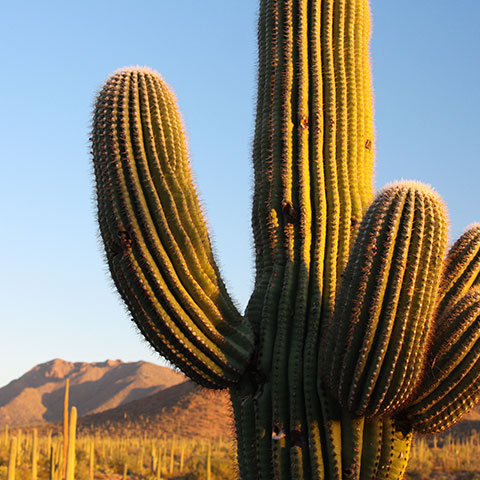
326,369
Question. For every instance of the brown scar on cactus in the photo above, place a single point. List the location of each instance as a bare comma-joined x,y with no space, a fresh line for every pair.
353,297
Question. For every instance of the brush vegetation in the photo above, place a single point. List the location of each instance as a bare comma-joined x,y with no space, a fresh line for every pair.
108,454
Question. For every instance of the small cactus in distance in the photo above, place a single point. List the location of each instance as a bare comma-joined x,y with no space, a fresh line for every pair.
353,297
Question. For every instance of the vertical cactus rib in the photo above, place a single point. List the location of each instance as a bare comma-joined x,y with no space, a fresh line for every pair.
244,415
341,138
352,93
259,215
283,149
366,141
331,434
298,432
287,208
329,158
156,241
395,451
385,449
313,408
451,387
372,447
379,330
352,445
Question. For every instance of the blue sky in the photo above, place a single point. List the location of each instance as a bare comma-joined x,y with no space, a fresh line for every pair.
56,297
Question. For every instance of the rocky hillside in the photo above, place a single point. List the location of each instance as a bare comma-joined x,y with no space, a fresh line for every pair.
184,410
37,396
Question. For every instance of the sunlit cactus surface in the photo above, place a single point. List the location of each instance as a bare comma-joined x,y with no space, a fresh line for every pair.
360,329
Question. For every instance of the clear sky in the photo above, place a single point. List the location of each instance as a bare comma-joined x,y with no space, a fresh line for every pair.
56,298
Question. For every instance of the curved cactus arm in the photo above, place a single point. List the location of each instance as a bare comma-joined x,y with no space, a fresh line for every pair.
451,387
374,349
155,237
461,269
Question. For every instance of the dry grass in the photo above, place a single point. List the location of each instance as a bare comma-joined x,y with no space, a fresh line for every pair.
446,457
118,455
115,456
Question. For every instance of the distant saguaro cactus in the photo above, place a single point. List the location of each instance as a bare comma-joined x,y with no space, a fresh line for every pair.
358,331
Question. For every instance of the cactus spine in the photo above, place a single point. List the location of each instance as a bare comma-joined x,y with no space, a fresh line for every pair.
352,299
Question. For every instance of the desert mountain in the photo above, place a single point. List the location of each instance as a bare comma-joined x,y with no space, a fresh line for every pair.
184,410
37,396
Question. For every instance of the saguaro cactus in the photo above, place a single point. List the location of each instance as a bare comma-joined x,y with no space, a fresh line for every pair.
327,367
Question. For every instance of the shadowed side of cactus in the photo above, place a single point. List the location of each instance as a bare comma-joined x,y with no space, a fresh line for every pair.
326,369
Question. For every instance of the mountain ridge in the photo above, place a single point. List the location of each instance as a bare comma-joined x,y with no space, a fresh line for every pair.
37,396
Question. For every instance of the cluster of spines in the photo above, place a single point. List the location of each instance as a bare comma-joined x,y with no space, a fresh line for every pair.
155,238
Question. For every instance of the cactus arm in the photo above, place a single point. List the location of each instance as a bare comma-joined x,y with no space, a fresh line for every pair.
451,387
379,330
433,248
155,238
461,269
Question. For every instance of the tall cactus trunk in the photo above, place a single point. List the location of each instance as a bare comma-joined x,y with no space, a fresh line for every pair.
313,161
326,369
